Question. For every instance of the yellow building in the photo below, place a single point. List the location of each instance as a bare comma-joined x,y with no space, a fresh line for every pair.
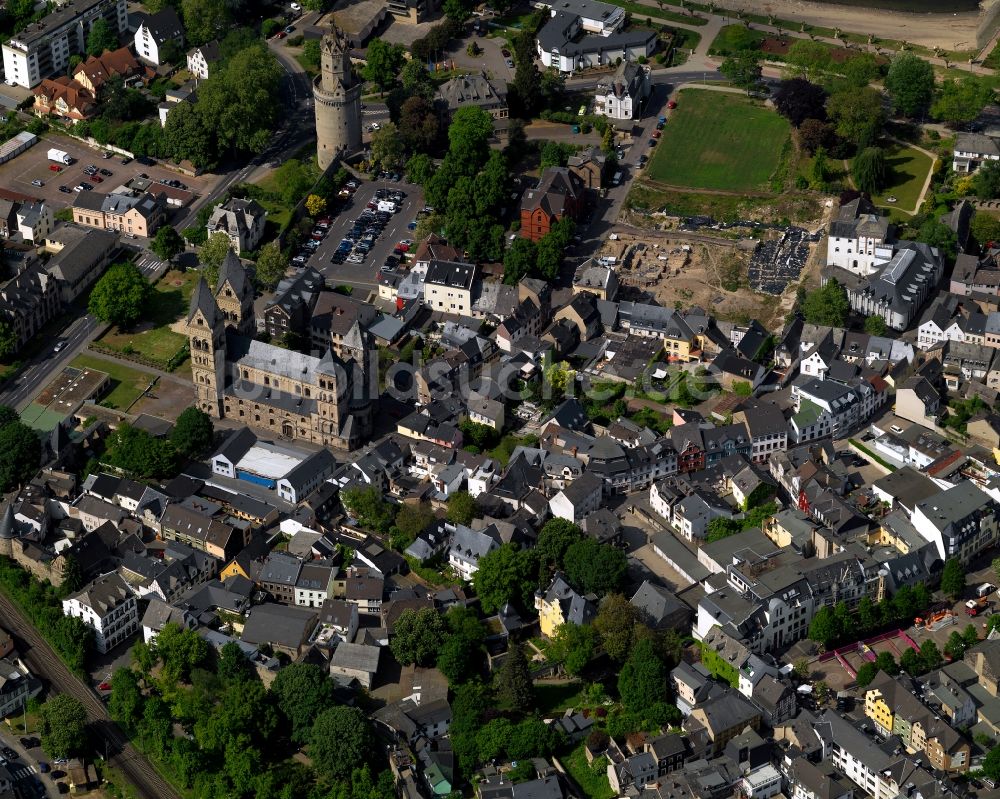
560,604
877,706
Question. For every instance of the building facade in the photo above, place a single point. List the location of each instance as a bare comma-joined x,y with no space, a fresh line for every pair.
108,606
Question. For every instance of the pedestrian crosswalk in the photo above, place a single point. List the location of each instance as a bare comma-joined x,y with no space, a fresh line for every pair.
149,264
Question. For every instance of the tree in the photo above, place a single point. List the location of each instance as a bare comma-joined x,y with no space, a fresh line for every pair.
416,80
866,674
417,636
643,677
556,153
616,621
271,265
302,692
181,650
411,521
126,702
875,326
910,83
387,146
63,726
204,20
937,234
419,124
986,181
468,139
461,507
507,574
167,243
101,37
910,662
860,70
953,578
460,657
193,432
808,59
419,170
8,340
383,62
797,100
233,665
721,527
827,305
341,738
593,567
868,170
140,455
119,296
457,10
955,647
985,228
556,536
930,655
814,135
824,627
315,205
991,764
369,507
884,661
743,69
22,454
857,115
574,645
211,255
514,686
961,100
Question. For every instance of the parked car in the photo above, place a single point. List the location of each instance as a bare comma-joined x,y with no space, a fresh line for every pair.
656,134
37,182
108,154
125,160
672,104
659,125
9,753
289,29
280,35
107,173
505,52
55,167
65,190
97,178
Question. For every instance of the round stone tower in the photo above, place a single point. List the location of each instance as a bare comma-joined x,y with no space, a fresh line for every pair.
337,95
7,531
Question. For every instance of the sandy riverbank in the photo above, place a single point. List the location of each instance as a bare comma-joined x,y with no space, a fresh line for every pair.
950,31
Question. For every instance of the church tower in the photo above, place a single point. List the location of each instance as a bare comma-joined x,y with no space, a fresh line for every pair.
206,329
234,296
337,95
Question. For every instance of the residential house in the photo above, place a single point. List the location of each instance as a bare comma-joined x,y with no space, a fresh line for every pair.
26,220
859,238
65,98
972,150
560,604
155,31
720,719
560,193
306,477
108,607
467,547
475,90
279,575
579,498
448,287
81,255
294,300
16,687
94,73
29,300
623,96
590,165
242,221
355,662
285,628
201,59
572,39
135,213
961,521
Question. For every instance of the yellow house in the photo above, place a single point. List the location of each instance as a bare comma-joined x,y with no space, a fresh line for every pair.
243,565
560,604
877,706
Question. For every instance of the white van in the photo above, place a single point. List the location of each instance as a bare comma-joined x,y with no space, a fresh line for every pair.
617,179
388,206
985,589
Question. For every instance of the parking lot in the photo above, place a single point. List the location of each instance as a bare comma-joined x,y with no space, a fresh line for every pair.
364,275
33,165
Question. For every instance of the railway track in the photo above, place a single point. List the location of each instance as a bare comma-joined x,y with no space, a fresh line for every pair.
108,736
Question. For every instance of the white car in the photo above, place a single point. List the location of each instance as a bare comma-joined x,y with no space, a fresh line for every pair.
374,126
295,7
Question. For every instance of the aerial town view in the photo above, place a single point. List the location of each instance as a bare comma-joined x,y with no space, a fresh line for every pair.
519,399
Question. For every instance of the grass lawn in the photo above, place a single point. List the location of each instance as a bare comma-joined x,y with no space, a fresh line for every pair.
639,12
127,383
593,781
716,140
907,170
734,37
153,338
555,697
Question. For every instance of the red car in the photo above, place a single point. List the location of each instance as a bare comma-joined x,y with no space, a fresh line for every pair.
97,179
104,686
403,246
656,134
280,35
672,104
55,167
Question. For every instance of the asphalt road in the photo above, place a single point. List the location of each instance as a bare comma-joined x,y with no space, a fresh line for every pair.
363,275
105,734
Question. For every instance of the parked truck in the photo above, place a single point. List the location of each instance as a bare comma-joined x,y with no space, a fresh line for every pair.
975,606
60,156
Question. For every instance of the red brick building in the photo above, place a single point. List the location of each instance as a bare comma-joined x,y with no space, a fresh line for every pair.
559,193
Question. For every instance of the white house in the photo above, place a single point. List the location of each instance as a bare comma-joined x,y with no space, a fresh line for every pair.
828,408
305,478
620,97
154,31
201,59
961,521
242,221
109,607
972,150
15,688
579,498
859,238
560,45
467,547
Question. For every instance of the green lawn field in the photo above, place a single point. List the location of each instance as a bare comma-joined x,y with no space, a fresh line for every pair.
127,383
906,170
153,337
717,140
